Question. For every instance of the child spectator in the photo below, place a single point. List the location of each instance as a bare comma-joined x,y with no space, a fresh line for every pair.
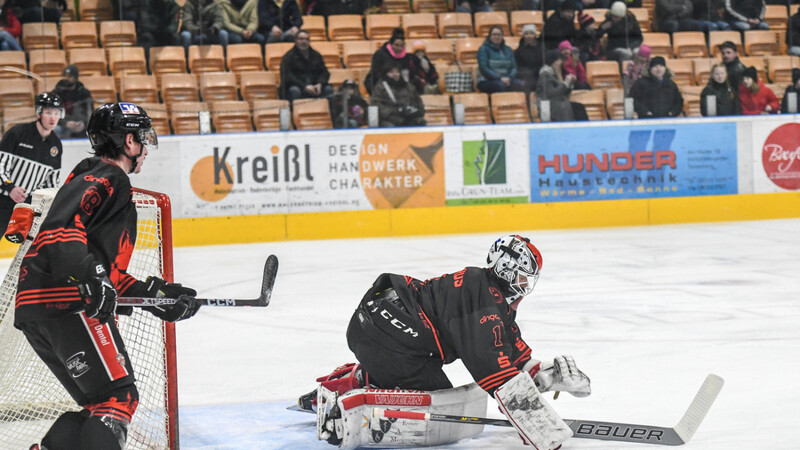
348,108
424,71
637,68
572,65
727,98
754,96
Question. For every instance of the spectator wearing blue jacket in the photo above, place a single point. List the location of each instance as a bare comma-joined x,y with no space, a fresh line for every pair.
496,65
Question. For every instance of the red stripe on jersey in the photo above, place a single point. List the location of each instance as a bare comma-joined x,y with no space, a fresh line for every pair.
498,378
526,355
50,295
106,348
435,333
53,300
125,283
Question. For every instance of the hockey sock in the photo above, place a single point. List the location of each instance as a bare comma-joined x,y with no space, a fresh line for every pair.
65,432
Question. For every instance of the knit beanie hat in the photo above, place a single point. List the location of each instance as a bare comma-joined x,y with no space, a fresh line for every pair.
530,28
564,45
658,61
618,9
418,45
585,20
644,51
551,56
751,72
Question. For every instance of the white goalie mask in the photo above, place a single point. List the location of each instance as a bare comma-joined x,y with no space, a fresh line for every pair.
517,262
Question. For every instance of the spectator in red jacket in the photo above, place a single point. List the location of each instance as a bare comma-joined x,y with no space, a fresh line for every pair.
754,96
573,64
10,29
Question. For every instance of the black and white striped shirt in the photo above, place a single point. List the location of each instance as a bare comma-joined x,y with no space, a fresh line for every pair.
27,160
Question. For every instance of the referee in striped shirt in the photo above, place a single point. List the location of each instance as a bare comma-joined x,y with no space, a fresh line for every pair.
30,156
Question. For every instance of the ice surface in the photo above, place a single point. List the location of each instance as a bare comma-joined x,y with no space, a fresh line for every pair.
647,312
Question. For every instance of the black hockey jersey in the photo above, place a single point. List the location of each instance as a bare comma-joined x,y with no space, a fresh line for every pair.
27,160
92,213
462,315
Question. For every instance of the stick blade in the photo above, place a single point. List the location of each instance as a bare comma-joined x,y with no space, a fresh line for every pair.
270,273
699,407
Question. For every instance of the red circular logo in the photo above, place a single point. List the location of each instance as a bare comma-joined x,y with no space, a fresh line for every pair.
781,156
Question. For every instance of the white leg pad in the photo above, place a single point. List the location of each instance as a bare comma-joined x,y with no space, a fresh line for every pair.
358,428
536,421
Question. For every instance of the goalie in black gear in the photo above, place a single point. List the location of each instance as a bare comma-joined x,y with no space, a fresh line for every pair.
405,329
71,275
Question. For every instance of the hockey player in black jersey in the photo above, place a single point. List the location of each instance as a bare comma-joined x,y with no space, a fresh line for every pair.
30,155
70,278
405,329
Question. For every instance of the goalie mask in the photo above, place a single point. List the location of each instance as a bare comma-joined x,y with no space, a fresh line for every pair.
516,262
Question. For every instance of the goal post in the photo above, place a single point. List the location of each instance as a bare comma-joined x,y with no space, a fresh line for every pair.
30,396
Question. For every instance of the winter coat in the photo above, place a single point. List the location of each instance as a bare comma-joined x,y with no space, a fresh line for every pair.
158,16
530,60
624,33
727,99
754,103
392,98
741,10
202,16
735,72
654,98
340,119
421,78
793,38
549,87
238,20
299,70
495,63
570,68
382,58
557,29
285,16
78,104
785,101
11,24
673,10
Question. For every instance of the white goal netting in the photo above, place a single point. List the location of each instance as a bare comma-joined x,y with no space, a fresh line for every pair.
30,396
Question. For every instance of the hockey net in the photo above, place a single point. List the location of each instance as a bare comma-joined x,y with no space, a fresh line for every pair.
30,396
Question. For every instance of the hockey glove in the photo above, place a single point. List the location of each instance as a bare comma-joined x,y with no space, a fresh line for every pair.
185,307
99,295
563,375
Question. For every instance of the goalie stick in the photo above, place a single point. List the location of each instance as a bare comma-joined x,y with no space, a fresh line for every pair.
270,272
607,431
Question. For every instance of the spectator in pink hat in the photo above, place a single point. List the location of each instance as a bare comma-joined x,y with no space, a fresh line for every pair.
572,65
637,67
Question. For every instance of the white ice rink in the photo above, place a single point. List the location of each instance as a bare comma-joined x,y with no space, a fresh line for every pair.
647,312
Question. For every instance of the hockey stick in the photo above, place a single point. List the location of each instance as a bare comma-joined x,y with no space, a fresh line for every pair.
270,272
607,431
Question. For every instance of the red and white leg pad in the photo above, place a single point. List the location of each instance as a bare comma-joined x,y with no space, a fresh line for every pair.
536,421
346,419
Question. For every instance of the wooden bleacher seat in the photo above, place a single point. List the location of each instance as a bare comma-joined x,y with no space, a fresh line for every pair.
206,58
395,7
339,76
438,50
682,70
266,114
702,70
594,100
245,58
486,20
691,100
183,116
358,54
46,84
231,116
761,42
164,60
315,25
39,35
16,92
509,107
78,35
757,62
476,108
715,38
103,88
311,114
430,6
158,116
89,61
643,17
330,54
380,26
138,89
47,63
420,26
689,44
126,61
453,25
16,115
118,33
437,110
780,68
179,87
467,49
218,86
603,74
615,106
96,10
256,86
776,16
13,60
660,44
521,18
345,27
273,53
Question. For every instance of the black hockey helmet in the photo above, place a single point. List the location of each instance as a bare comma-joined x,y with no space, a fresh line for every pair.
49,100
110,123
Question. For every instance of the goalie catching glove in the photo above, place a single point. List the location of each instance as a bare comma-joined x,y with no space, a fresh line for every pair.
184,308
96,289
562,375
